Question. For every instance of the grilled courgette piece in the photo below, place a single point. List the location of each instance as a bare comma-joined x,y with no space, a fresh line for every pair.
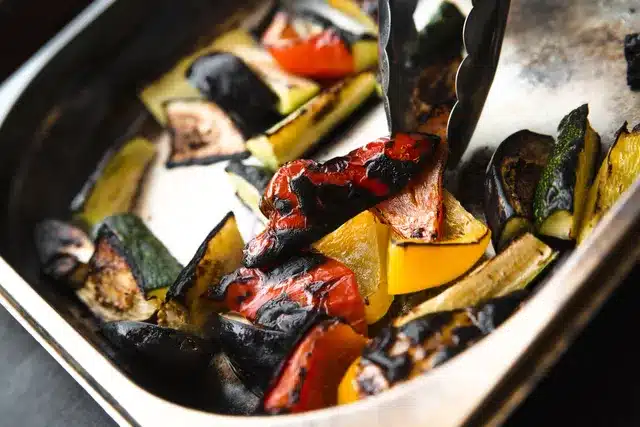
561,194
114,186
304,128
64,251
617,173
250,183
510,183
218,255
201,133
401,353
513,269
129,271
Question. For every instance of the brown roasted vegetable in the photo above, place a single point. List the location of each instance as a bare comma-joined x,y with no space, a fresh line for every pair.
201,133
310,377
274,297
399,354
632,55
64,251
306,200
510,184
219,254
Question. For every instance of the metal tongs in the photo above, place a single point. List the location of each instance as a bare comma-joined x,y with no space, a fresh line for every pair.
400,41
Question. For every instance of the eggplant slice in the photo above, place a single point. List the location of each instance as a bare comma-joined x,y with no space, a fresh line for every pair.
510,183
201,134
64,251
632,55
226,80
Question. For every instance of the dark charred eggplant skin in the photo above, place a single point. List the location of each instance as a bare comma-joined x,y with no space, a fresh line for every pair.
510,182
226,392
161,347
441,336
226,80
632,55
306,200
63,250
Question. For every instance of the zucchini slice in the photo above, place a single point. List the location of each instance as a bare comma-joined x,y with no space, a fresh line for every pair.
64,251
513,269
418,264
401,353
510,183
617,173
201,133
250,183
561,194
114,186
113,289
218,255
304,128
632,56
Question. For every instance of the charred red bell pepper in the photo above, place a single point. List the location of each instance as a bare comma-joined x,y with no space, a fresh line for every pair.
310,377
309,281
306,200
316,53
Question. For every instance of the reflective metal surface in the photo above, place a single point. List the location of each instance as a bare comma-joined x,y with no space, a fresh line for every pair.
555,56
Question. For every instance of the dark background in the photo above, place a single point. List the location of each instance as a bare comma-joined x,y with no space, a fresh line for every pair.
596,383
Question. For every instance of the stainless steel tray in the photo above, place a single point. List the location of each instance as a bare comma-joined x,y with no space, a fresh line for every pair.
556,55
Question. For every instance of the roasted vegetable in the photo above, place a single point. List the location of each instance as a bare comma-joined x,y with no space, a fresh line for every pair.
226,392
510,183
128,272
361,244
561,194
399,354
618,171
364,11
417,264
160,348
308,281
64,251
201,133
306,200
254,351
417,211
114,186
632,55
250,183
511,270
310,377
304,128
219,254
225,79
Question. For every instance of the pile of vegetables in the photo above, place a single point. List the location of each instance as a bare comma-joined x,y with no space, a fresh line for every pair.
368,272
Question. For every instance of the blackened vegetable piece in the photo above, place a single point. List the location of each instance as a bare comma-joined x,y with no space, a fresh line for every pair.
128,272
254,351
201,133
219,254
64,251
278,297
226,80
399,354
250,183
561,194
310,377
510,183
306,200
114,186
632,55
160,347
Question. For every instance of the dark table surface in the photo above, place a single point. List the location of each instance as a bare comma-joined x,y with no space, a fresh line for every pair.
596,383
